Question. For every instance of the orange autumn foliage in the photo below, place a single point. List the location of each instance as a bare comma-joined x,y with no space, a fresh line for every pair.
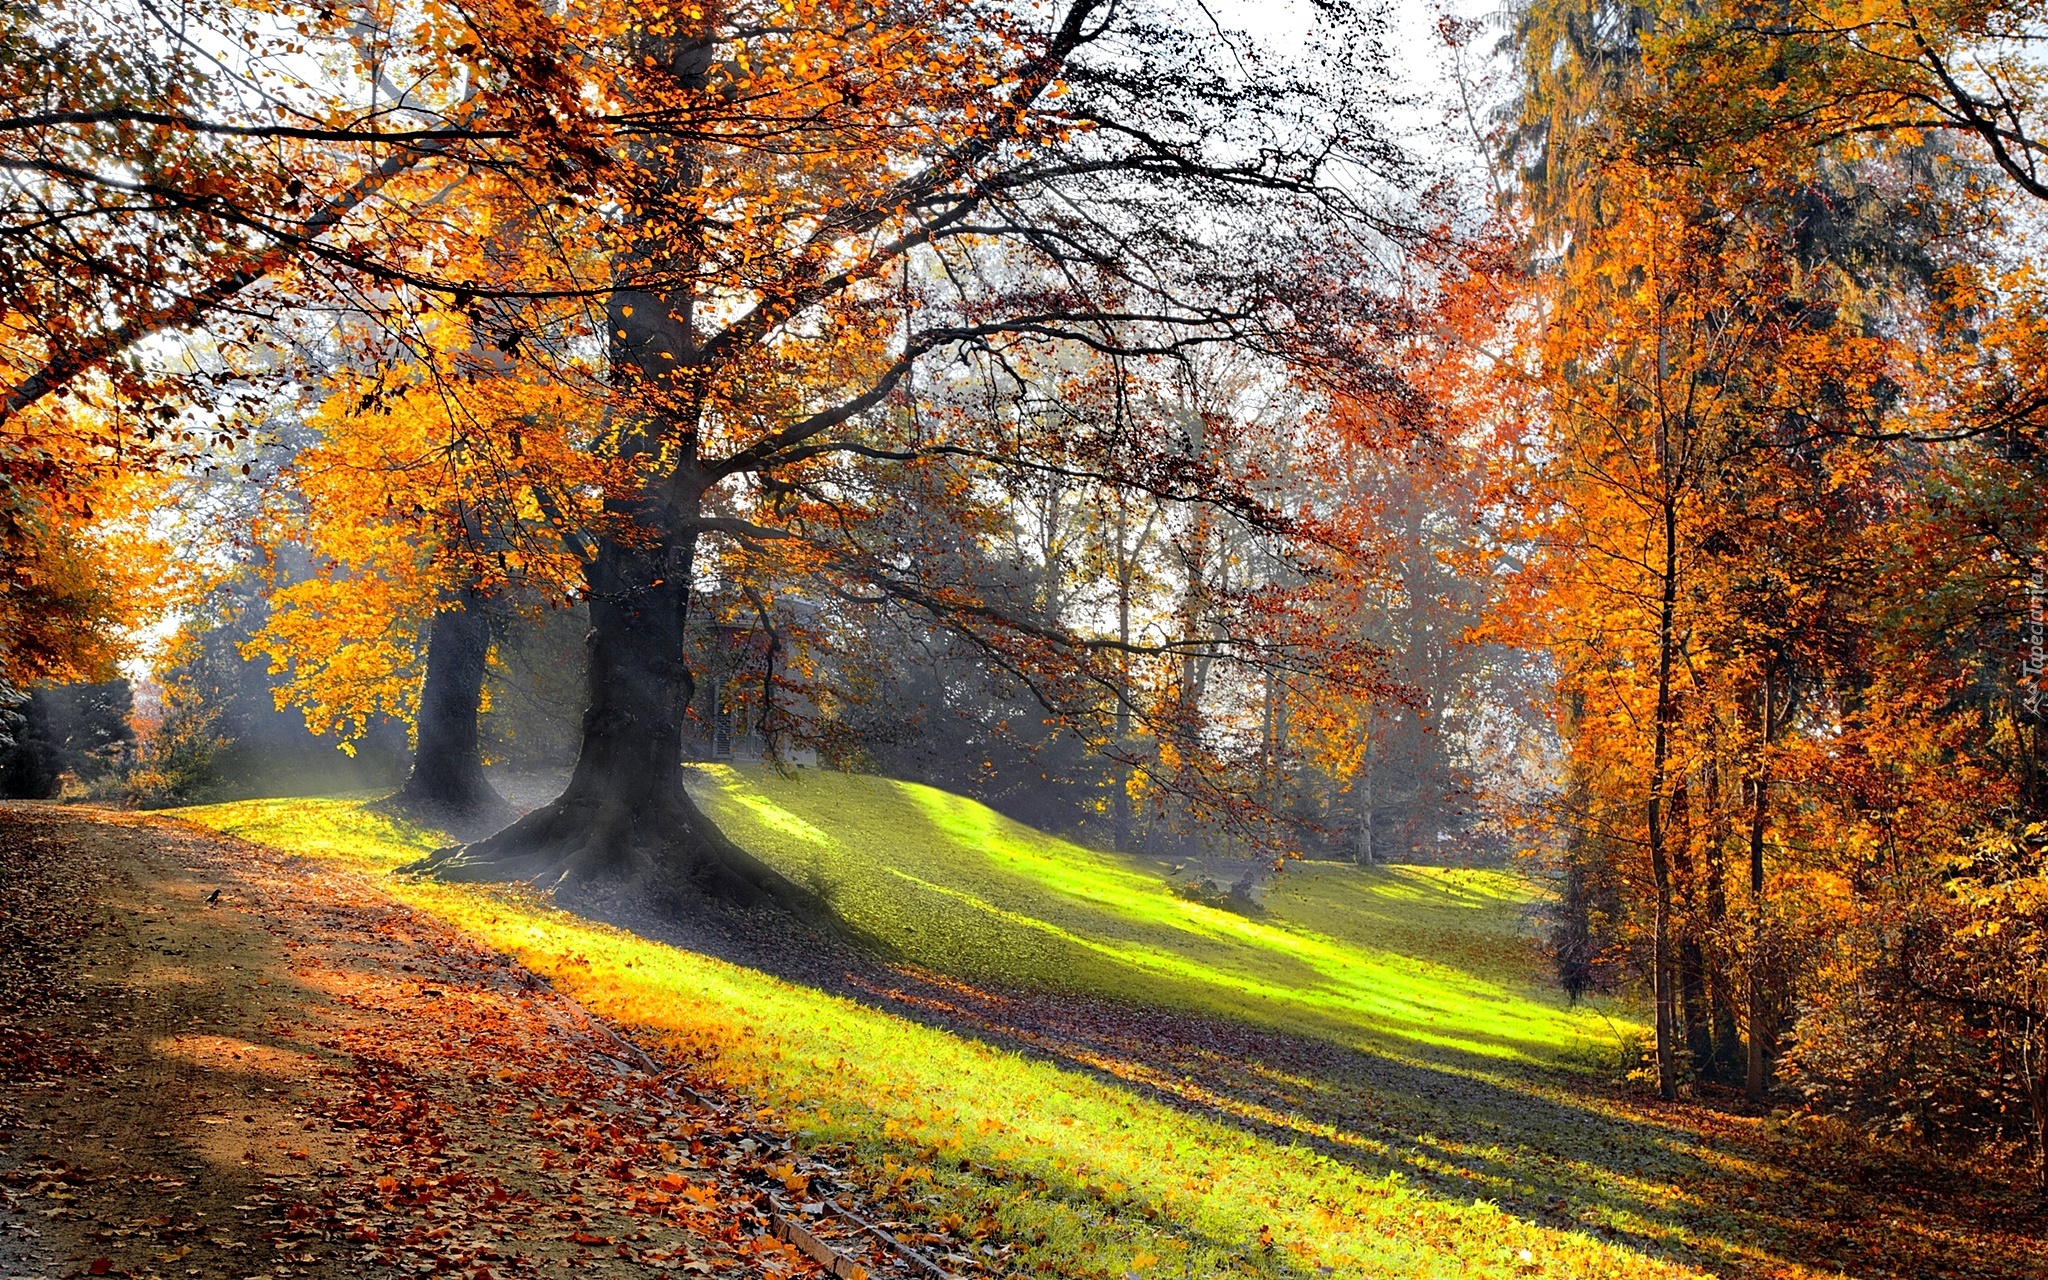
427,482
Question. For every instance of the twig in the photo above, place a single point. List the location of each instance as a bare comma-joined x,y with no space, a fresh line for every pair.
929,1267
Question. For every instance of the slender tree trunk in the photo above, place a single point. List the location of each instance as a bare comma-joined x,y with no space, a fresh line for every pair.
1128,550
1120,802
1691,951
1572,937
1362,786
1724,1037
1660,753
1755,1077
447,763
1266,783
769,724
1190,664
2034,1062
1282,792
1694,994
1693,1002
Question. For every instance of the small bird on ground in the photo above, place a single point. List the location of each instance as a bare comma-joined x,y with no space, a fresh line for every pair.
213,898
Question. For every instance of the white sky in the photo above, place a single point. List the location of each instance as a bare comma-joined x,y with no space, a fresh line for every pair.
1420,64
1413,45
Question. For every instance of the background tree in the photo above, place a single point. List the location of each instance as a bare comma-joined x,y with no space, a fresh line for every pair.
1828,72
1848,635
423,507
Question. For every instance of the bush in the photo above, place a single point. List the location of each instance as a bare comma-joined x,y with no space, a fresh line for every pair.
179,762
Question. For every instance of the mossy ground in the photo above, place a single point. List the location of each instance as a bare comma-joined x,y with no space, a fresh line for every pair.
1438,1131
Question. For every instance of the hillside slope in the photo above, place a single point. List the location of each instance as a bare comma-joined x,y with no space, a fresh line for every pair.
1426,961
1082,1074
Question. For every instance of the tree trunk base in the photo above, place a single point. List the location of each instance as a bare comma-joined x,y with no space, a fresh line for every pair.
669,852
466,814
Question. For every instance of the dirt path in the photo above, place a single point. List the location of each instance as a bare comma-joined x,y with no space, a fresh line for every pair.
219,1061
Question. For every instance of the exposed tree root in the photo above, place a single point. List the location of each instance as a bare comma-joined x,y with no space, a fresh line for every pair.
669,851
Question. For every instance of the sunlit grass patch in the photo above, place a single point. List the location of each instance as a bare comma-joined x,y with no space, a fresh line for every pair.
1419,961
345,830
1089,1177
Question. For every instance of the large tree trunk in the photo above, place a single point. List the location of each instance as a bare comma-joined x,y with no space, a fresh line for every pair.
625,817
447,779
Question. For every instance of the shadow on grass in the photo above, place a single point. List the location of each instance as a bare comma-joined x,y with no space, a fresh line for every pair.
1406,961
1555,1149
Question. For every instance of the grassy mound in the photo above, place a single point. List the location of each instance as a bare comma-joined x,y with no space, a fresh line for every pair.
1413,960
1081,1175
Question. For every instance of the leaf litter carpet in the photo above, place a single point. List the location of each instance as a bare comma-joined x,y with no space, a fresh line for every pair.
216,1060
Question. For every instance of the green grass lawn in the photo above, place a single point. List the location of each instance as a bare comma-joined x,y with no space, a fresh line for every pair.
1430,962
1088,1175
